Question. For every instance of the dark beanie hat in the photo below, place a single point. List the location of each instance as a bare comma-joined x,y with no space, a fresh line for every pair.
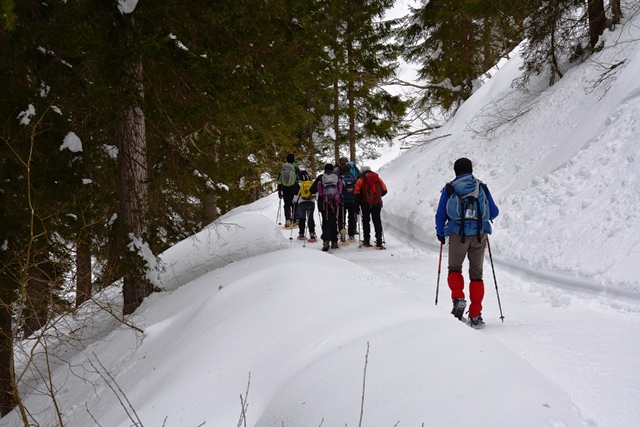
290,158
328,167
462,166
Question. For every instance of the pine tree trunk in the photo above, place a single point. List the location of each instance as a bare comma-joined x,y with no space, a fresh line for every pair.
351,101
39,289
616,11
134,191
597,21
7,396
336,119
83,269
211,207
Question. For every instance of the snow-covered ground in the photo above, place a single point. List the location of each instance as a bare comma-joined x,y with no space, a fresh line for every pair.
255,329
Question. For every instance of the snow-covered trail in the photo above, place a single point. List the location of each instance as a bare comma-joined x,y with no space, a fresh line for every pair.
583,341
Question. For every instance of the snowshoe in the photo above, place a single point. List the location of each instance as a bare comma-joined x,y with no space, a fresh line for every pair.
381,247
301,237
476,322
312,238
366,244
459,304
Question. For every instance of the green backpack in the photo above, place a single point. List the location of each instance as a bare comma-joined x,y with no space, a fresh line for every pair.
288,175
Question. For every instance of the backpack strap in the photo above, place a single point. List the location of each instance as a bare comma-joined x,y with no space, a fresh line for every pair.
449,189
484,188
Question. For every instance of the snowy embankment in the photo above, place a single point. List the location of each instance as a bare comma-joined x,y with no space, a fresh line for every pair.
292,331
562,163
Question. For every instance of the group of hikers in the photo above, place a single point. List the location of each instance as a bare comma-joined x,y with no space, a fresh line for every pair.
464,215
342,193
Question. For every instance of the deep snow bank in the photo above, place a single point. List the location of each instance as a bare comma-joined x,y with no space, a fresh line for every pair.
561,162
291,327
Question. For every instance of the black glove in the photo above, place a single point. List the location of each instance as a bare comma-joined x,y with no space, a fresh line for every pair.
442,239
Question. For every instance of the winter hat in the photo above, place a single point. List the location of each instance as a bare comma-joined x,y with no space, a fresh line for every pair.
343,160
462,166
366,169
290,158
328,167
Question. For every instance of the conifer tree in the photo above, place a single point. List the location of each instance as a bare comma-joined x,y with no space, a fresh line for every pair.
362,59
455,42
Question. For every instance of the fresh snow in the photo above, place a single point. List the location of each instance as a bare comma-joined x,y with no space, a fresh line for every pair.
252,323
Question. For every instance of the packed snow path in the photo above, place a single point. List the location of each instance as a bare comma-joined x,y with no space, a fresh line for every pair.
582,338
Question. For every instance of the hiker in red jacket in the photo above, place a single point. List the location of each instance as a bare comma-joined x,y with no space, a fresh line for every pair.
369,191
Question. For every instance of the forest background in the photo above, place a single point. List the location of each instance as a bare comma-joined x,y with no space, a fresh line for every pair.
127,127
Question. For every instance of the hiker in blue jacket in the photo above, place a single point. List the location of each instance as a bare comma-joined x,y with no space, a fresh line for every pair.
464,214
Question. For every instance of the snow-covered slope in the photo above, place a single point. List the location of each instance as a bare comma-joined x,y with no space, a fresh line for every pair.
562,162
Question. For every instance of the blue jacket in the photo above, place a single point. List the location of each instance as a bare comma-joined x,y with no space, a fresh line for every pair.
463,184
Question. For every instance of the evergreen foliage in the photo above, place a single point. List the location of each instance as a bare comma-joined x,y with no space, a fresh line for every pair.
455,42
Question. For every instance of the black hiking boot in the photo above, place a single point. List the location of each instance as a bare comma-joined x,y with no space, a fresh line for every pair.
334,245
459,305
325,245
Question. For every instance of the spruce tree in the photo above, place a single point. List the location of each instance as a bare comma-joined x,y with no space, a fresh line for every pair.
456,42
362,59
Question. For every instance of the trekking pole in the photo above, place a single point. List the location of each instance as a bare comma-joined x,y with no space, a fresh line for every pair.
494,279
359,235
278,215
438,282
341,221
306,225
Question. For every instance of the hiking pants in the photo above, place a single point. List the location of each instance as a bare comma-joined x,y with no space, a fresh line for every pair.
329,214
349,214
371,213
307,208
474,251
288,194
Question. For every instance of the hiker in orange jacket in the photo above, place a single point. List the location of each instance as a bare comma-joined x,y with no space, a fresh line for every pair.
369,190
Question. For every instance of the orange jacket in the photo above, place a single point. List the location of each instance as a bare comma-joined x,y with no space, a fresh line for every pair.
360,183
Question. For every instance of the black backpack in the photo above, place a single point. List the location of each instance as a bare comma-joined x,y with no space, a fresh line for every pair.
348,187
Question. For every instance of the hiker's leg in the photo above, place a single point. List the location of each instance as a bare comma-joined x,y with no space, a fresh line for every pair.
312,222
476,295
334,215
366,222
457,254
377,223
287,197
303,207
476,262
476,256
351,209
